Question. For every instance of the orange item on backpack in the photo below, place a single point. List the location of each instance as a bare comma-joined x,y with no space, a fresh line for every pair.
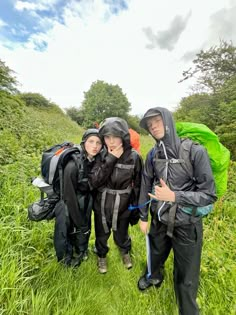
134,139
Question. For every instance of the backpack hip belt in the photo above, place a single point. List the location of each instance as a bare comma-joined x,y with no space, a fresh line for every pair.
117,194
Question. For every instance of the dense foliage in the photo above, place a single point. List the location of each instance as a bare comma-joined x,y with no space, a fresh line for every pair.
27,130
213,67
103,100
7,80
217,107
35,99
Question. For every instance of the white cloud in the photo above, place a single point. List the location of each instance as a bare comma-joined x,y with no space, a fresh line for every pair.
2,23
31,6
95,45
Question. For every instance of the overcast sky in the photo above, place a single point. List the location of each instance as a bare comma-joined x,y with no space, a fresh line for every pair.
60,47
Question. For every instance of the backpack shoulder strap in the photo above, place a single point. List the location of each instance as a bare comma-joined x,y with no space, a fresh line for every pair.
66,156
78,159
185,155
151,157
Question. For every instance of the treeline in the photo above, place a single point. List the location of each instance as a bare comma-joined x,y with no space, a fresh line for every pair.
212,100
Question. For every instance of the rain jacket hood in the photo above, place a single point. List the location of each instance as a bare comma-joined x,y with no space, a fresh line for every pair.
115,126
88,133
170,139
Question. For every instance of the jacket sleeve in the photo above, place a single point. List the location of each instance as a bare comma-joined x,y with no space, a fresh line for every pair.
102,170
205,191
147,181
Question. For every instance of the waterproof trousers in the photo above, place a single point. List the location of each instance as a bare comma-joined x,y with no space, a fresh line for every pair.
187,245
62,245
120,236
66,237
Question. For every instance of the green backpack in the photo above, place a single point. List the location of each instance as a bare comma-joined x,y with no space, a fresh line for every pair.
218,154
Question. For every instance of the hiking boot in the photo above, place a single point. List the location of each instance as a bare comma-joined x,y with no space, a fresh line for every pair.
144,283
75,262
127,260
102,264
66,262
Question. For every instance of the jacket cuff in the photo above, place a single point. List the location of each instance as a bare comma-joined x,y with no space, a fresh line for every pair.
178,195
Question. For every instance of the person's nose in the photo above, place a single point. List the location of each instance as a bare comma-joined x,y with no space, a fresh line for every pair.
111,140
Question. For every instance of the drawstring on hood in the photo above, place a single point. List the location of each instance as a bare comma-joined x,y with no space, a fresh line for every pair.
169,144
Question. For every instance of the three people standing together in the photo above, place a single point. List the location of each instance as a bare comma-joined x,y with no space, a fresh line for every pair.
117,179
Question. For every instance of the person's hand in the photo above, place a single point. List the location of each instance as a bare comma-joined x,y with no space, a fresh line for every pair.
163,193
143,226
117,152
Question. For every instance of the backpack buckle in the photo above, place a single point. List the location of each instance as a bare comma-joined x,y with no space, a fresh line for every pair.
174,161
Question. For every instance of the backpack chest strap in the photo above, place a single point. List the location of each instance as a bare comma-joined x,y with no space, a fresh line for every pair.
125,166
170,161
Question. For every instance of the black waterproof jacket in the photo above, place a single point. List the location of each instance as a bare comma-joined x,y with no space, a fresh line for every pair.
77,192
198,190
121,175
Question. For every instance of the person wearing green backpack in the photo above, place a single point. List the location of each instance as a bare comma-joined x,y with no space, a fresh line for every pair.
171,227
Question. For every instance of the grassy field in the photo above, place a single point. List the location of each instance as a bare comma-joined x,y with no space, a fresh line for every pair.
33,283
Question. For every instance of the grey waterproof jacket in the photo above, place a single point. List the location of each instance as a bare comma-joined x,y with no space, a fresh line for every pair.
198,190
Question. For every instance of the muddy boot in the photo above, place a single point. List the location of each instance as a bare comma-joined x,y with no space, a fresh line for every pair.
102,264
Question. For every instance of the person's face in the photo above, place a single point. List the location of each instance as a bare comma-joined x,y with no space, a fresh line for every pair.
112,142
156,127
93,146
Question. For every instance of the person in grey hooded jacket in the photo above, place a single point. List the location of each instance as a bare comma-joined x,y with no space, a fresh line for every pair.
170,227
117,179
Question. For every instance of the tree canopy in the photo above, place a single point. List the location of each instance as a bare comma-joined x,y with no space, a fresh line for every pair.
35,99
216,107
7,80
103,100
213,67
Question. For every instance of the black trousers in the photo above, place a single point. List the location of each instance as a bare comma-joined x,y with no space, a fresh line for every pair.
120,236
187,245
66,237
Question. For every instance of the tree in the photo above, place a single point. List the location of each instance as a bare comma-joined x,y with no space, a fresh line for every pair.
75,114
103,100
199,108
227,127
7,80
227,93
213,67
133,122
35,99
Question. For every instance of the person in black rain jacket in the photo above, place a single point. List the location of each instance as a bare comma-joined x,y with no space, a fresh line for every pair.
72,230
117,180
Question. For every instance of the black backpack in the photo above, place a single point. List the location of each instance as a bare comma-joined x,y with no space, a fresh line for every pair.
53,163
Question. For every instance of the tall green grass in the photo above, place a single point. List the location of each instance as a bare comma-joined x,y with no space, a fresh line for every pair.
32,282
